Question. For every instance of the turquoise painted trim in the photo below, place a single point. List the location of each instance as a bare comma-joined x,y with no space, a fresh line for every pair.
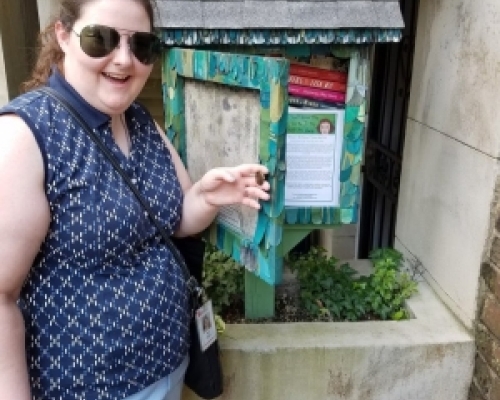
254,37
268,76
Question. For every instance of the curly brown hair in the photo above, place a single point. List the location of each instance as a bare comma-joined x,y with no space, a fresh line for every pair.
49,51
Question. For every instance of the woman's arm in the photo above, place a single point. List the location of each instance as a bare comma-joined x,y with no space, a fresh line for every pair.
24,220
218,187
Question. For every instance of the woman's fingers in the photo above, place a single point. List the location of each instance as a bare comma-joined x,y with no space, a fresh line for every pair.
251,181
253,170
248,174
256,193
253,195
223,174
242,184
249,202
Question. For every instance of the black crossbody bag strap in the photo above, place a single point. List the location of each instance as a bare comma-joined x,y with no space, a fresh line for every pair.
193,285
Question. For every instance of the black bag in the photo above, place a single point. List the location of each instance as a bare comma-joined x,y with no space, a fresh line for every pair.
204,372
192,249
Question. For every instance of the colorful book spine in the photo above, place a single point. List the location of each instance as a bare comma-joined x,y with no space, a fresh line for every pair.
317,83
308,103
316,94
319,73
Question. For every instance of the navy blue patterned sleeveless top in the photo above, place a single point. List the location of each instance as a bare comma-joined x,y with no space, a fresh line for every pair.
105,304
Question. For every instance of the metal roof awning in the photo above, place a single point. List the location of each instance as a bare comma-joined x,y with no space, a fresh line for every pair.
197,22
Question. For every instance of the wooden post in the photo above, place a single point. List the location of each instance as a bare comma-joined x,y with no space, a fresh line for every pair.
19,27
259,297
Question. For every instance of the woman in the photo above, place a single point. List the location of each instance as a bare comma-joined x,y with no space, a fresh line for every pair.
83,271
325,126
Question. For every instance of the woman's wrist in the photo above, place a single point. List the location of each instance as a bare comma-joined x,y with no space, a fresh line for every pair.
204,195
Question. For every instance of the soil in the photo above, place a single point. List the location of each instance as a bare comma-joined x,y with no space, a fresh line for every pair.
286,310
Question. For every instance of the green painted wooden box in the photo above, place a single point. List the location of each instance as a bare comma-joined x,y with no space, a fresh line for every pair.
205,92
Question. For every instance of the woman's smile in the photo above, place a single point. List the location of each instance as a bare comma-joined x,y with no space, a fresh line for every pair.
116,78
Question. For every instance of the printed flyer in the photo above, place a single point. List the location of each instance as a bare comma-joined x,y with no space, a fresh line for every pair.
313,155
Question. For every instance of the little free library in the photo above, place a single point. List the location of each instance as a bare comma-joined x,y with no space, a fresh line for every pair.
281,83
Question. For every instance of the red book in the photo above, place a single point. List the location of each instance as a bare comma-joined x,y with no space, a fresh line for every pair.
316,94
313,72
317,83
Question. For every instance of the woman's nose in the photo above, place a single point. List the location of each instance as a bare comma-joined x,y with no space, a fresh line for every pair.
123,54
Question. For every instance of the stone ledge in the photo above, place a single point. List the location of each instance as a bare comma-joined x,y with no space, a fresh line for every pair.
429,357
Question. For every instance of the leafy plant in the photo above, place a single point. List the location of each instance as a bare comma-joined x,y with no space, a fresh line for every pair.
336,292
326,289
389,287
329,290
223,279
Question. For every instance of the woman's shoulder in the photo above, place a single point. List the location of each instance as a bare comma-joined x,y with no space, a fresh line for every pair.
16,135
25,111
22,100
20,123
12,124
28,107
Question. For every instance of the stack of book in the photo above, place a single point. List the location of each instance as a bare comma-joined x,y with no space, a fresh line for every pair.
314,87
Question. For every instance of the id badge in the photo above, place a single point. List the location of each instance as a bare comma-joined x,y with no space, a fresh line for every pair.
205,324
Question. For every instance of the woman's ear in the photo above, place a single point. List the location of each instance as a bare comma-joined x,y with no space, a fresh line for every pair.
62,35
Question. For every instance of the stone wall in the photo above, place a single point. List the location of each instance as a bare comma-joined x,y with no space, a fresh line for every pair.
18,33
4,91
452,147
46,10
486,380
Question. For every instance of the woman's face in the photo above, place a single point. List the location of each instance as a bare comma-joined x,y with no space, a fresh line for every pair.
324,127
113,82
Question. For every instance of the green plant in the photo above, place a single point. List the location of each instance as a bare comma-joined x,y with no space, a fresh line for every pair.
336,292
388,287
326,289
223,279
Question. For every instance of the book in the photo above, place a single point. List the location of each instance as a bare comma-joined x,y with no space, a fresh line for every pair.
317,83
302,102
316,94
319,73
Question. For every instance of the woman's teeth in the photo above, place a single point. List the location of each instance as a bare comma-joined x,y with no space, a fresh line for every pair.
122,78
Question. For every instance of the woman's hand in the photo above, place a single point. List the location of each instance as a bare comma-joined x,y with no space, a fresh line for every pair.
243,184
237,185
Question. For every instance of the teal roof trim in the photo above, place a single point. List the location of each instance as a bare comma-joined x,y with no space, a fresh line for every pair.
251,37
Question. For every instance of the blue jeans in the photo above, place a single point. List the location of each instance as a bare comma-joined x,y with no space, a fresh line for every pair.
168,388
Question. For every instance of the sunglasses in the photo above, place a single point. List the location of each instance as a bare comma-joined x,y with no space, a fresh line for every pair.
99,41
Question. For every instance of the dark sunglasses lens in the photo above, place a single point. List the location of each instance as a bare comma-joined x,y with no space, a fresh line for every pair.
145,46
98,41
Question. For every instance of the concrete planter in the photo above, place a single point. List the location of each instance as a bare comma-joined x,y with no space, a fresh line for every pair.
429,357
